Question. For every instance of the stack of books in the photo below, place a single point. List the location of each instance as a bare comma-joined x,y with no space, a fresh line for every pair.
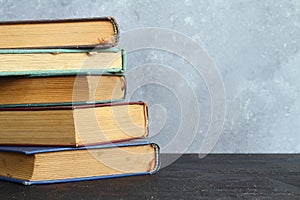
62,114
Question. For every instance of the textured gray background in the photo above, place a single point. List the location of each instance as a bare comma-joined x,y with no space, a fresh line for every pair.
255,45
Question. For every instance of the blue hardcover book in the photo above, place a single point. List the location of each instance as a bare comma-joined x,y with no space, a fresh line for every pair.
45,165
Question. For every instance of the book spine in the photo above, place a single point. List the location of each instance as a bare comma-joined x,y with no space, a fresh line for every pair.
155,167
124,60
116,30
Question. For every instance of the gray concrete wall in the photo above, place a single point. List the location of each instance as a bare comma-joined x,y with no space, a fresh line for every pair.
255,45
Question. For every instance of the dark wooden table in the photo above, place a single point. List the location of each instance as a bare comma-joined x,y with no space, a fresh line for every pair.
213,177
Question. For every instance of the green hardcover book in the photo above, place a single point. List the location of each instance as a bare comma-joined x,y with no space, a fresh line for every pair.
36,62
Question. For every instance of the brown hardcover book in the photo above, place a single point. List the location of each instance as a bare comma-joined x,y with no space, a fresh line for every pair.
73,125
16,90
76,33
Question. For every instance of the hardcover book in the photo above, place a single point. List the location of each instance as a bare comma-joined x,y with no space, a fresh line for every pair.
45,165
73,125
61,89
72,33
16,62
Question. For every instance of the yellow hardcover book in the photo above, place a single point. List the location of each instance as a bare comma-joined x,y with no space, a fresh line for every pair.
73,125
75,33
67,89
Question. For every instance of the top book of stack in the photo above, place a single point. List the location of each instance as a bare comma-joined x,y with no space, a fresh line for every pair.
67,33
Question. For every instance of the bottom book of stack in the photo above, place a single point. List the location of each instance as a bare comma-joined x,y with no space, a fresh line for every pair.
44,165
